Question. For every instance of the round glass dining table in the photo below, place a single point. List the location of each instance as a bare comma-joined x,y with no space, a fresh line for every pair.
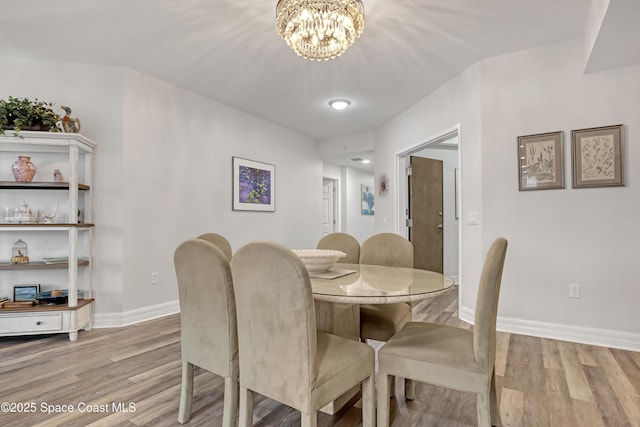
376,284
339,292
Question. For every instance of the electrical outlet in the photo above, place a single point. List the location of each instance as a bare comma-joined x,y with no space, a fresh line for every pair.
574,290
154,279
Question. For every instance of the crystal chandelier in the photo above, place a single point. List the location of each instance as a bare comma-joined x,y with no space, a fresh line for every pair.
319,29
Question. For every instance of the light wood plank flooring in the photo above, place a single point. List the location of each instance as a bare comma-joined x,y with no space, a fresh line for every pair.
541,382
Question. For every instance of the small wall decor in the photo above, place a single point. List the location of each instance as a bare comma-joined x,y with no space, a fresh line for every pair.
541,161
368,203
253,186
383,184
25,292
597,156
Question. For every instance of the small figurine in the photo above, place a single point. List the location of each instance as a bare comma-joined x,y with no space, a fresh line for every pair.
71,125
23,212
20,253
57,176
47,219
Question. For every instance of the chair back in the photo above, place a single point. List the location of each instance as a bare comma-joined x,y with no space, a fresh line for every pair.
207,306
484,330
387,249
342,242
220,241
276,323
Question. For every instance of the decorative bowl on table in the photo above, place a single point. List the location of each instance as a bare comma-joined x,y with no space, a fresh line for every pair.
319,260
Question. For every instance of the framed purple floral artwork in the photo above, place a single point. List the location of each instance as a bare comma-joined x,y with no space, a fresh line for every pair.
253,186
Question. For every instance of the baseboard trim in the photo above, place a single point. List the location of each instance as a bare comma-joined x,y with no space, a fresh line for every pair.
131,317
592,336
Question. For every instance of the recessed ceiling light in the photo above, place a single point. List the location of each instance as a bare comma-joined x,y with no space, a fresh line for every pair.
365,161
339,104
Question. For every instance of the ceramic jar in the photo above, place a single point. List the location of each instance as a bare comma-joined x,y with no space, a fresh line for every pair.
23,169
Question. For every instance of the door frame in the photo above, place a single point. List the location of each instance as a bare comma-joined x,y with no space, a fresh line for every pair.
402,159
337,205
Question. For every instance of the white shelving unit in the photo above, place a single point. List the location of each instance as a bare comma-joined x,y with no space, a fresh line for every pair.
74,154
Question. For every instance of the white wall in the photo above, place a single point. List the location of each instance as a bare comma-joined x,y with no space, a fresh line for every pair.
163,174
358,225
556,237
178,166
456,102
351,219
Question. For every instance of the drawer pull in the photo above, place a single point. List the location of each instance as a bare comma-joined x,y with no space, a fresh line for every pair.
38,323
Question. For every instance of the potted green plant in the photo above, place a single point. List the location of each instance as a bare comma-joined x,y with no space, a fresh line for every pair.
24,114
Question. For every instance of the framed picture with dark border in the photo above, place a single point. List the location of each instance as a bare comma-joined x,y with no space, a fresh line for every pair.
25,292
253,186
541,161
597,157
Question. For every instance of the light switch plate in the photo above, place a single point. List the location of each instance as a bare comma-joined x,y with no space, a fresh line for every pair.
473,218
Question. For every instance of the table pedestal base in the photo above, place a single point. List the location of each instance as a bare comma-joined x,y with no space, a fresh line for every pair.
342,320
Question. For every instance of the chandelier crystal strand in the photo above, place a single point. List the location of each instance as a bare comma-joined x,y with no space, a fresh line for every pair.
319,29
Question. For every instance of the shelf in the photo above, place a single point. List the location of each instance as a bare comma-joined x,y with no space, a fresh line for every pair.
51,147
40,226
44,307
39,265
12,185
50,142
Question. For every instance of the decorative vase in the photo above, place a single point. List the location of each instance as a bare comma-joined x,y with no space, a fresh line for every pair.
23,169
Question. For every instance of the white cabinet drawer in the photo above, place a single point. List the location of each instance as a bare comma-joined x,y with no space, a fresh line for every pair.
34,322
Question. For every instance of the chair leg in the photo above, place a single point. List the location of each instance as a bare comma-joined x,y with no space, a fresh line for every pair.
230,410
309,420
383,399
409,389
484,414
369,401
186,393
496,420
246,407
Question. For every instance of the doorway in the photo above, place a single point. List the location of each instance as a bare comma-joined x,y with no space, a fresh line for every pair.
445,147
425,225
329,206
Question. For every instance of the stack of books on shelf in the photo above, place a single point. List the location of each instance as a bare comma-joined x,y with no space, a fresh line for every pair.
16,304
3,300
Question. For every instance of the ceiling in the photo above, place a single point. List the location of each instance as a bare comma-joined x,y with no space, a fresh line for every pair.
229,50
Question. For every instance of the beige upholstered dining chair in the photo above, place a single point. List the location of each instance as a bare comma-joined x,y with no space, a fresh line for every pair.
381,321
282,356
208,322
220,241
449,356
342,242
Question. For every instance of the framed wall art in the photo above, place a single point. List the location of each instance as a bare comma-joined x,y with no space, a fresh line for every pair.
25,292
597,156
541,161
367,200
253,186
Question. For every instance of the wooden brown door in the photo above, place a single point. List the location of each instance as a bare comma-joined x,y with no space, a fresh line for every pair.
425,213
